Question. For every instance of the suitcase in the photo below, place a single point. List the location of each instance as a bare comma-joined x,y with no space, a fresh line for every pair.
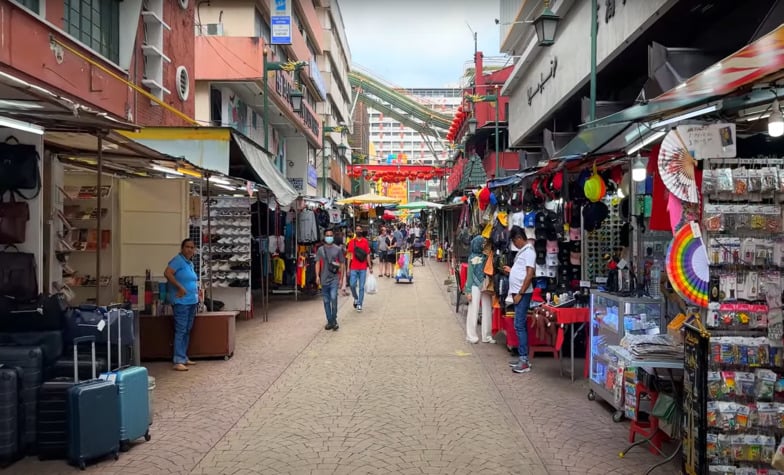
51,343
133,388
63,368
93,415
29,359
10,415
41,314
52,428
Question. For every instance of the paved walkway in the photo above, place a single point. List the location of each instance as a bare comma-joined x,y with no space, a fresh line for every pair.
396,390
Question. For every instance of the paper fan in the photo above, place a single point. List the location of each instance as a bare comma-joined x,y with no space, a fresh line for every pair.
676,168
687,265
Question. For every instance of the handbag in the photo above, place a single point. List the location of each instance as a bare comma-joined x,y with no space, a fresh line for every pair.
14,216
18,276
19,168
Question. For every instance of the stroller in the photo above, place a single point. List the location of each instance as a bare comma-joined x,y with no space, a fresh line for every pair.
404,267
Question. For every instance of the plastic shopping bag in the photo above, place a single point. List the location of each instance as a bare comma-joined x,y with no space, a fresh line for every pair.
371,285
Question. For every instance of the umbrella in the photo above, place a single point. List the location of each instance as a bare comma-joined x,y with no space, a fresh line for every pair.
367,198
420,205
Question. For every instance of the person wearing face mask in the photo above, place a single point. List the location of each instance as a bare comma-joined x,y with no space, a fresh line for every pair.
329,269
359,255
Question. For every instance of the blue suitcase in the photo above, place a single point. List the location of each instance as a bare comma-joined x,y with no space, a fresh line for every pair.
93,415
132,386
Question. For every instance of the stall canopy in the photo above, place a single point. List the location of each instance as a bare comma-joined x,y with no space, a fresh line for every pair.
700,94
29,104
420,205
219,149
512,180
368,198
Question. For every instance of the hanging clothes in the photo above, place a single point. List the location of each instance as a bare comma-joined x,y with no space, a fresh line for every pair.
334,216
307,228
301,270
278,267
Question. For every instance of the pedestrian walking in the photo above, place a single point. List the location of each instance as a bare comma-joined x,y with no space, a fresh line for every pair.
330,265
359,256
521,277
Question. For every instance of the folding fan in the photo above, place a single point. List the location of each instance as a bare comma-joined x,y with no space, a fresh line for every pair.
676,168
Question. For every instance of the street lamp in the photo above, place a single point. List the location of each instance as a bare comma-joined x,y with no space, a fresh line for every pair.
295,96
472,122
325,129
545,25
291,66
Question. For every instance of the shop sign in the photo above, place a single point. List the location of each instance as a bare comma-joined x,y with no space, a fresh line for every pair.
709,141
312,175
298,184
315,74
696,347
280,22
543,79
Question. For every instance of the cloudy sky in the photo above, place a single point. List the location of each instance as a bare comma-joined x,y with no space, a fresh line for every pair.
419,43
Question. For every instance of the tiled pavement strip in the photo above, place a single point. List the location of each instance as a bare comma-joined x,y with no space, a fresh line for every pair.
396,390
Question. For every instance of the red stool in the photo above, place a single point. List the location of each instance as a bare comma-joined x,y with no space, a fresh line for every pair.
648,430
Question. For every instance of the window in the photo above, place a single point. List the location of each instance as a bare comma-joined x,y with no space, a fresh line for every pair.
31,4
96,23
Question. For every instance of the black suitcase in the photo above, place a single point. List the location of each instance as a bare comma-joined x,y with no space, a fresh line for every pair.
29,359
63,368
51,343
52,429
40,314
10,420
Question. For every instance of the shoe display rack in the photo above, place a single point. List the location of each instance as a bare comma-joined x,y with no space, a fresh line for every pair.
226,251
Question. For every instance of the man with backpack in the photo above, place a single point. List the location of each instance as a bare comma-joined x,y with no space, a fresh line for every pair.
359,252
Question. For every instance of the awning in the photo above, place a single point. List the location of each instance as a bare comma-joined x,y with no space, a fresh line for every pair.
511,180
261,164
592,140
26,102
746,66
210,148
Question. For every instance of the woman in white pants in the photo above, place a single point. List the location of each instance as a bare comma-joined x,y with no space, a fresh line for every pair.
476,298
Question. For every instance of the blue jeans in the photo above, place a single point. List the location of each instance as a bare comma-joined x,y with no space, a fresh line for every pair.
329,292
184,315
521,325
358,275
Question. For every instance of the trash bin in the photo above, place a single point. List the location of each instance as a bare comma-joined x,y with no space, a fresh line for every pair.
150,390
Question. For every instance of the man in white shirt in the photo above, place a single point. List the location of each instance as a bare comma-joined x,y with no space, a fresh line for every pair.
521,277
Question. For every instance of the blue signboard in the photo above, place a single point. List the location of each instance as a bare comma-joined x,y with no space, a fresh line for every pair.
315,74
312,175
281,30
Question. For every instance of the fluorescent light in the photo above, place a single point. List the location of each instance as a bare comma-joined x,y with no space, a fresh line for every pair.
14,104
220,181
22,126
776,121
168,171
226,187
645,142
687,115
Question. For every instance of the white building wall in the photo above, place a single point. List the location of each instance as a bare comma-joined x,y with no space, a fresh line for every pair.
572,52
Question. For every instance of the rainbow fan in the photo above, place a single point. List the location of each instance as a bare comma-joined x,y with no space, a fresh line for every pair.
687,265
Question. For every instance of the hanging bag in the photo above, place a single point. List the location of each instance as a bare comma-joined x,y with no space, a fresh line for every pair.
19,169
14,216
18,277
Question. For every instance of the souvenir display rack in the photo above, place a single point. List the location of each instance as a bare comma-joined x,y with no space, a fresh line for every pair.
596,244
745,383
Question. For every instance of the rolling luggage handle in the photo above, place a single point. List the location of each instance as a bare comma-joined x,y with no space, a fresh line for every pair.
83,339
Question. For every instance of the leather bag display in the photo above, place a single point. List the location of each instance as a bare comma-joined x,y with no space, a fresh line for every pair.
14,216
18,275
19,169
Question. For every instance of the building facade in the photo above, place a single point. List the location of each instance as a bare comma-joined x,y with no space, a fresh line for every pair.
109,55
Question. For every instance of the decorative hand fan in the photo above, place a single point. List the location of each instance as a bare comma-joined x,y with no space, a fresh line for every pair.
687,265
676,168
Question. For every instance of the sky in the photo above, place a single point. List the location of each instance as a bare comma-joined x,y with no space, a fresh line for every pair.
419,43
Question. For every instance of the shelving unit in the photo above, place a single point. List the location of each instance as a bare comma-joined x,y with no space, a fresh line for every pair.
77,246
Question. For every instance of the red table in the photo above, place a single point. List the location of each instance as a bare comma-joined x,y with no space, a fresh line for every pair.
564,316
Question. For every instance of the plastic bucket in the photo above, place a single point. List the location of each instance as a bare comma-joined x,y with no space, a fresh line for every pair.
150,390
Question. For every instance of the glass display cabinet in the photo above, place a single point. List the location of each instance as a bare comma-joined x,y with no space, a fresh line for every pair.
613,316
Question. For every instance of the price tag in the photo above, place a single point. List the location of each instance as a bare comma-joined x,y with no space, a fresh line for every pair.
585,283
101,325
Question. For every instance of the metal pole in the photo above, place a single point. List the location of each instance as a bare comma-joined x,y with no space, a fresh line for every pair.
323,161
594,32
497,161
99,228
265,112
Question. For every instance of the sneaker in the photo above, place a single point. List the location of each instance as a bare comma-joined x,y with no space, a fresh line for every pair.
336,327
488,340
329,326
359,308
355,304
472,341
514,362
522,367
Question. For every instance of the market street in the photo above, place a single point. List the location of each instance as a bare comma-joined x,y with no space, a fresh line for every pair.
395,390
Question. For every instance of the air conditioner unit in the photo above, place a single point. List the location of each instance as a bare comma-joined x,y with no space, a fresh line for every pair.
210,29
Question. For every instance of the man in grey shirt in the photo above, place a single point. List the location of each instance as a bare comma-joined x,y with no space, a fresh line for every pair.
330,263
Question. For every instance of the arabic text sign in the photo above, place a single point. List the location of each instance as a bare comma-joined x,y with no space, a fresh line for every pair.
709,141
543,78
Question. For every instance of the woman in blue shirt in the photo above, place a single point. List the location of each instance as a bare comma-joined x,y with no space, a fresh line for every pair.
184,295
